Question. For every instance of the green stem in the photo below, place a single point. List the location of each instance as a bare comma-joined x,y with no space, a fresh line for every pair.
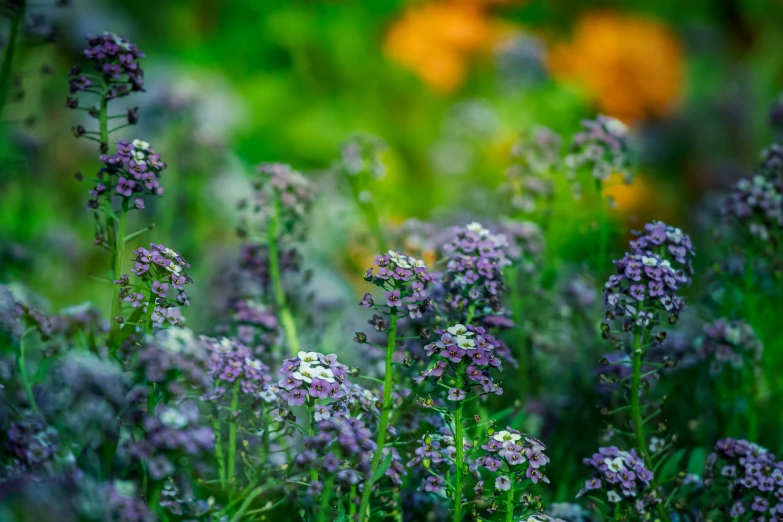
750,315
150,311
351,504
8,56
636,412
246,504
603,228
22,367
289,326
510,503
232,438
326,495
118,254
219,456
459,443
385,410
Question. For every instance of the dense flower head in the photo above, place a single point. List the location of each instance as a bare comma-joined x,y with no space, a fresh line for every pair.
756,204
649,277
405,281
314,375
437,452
748,477
515,455
162,271
603,146
623,477
32,444
468,353
171,431
116,60
285,191
729,343
133,174
231,364
474,269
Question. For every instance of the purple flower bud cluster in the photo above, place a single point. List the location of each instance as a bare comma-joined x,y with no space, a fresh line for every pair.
405,280
317,376
533,160
116,60
729,343
32,445
232,364
474,270
603,146
468,354
756,204
288,192
514,457
623,477
772,158
133,173
160,269
748,477
437,453
171,432
649,278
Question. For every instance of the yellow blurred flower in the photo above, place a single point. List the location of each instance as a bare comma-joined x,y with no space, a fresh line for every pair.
633,67
435,40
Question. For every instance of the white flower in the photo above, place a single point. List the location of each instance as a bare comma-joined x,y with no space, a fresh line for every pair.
174,267
173,419
458,330
649,261
254,363
615,464
143,145
475,227
323,373
125,488
506,436
169,253
615,126
308,357
139,156
465,342
612,496
270,394
306,373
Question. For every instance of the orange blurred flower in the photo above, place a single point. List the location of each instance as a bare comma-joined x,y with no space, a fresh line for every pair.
435,40
632,66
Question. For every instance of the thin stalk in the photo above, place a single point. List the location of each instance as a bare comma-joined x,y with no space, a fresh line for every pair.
750,316
232,439
6,71
118,255
326,495
636,412
351,504
22,367
289,326
219,456
246,504
385,410
510,503
603,228
459,437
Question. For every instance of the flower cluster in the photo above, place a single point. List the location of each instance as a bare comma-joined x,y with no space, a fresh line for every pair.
314,375
32,445
757,205
159,269
437,454
751,477
231,364
532,162
405,280
286,193
474,270
731,343
772,157
515,457
132,173
603,146
169,433
116,60
623,476
649,277
466,353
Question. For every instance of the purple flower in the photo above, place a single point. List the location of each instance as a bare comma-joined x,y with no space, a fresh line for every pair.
393,298
160,289
134,298
456,394
502,483
319,388
296,397
125,186
367,300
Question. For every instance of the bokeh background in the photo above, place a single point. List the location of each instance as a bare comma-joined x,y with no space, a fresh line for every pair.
450,85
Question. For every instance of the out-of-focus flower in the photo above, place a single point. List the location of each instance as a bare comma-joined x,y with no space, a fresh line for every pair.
633,67
435,40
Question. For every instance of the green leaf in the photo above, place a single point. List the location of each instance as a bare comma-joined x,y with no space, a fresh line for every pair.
696,461
383,467
670,467
341,516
